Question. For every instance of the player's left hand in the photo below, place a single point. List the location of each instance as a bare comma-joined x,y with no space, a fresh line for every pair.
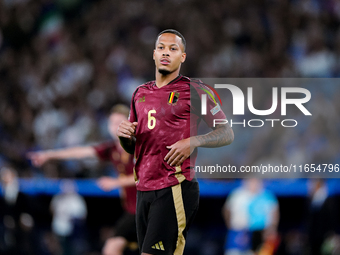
179,152
108,183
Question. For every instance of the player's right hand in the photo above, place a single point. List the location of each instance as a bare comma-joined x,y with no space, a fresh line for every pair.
126,129
38,158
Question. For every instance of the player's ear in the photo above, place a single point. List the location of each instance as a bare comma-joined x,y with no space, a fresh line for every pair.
184,55
153,55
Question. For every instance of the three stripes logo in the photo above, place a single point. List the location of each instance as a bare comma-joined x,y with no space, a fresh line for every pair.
173,97
141,100
158,246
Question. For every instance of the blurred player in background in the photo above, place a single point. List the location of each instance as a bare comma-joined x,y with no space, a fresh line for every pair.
251,214
125,229
162,132
16,221
69,216
322,220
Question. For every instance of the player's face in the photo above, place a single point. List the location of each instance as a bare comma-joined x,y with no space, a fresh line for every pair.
169,53
114,120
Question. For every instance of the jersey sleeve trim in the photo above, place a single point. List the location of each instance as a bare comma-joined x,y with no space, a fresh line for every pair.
133,103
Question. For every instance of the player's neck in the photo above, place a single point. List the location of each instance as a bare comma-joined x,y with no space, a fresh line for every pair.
163,80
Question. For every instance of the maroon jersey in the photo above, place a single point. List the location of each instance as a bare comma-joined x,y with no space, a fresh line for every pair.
165,115
123,162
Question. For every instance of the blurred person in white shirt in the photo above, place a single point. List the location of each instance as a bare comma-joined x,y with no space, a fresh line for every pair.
69,213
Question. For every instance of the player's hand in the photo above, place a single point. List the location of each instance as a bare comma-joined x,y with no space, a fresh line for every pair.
38,158
108,183
126,129
179,152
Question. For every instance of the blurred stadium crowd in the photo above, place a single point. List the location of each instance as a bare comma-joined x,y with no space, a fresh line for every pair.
65,63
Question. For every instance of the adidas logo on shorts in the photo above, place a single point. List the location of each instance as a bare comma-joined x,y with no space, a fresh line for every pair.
158,246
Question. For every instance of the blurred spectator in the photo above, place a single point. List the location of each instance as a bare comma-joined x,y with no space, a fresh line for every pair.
69,215
321,220
16,222
251,214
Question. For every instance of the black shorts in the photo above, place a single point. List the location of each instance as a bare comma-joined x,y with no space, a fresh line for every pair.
164,216
126,227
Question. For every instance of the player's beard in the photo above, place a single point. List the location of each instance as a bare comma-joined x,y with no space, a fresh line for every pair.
164,72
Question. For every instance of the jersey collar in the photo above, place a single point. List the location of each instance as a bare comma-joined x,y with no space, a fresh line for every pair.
173,81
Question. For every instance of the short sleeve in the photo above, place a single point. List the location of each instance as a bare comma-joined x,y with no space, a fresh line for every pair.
103,151
214,110
133,114
272,199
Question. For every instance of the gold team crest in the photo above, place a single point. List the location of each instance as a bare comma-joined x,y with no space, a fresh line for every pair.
173,97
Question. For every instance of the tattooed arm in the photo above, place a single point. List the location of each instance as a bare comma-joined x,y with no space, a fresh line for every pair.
221,135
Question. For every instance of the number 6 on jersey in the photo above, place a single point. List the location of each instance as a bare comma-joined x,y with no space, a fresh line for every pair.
151,119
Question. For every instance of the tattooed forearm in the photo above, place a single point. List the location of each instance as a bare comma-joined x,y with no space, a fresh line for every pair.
128,144
222,135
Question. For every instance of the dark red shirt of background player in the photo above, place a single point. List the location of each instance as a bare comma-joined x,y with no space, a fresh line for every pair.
123,162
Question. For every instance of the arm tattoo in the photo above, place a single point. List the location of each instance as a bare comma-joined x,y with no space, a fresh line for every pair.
222,135
128,144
